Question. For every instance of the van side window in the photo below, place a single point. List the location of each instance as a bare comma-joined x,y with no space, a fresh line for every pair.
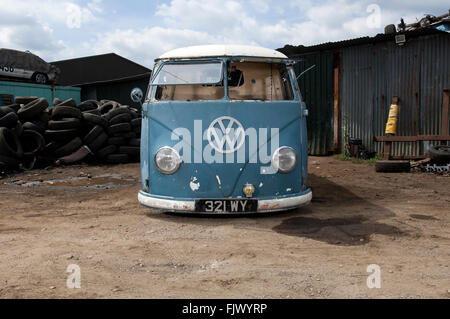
259,81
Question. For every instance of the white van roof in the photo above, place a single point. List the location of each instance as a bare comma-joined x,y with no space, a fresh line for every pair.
222,50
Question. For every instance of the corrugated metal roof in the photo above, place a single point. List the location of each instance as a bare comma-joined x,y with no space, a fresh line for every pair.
292,51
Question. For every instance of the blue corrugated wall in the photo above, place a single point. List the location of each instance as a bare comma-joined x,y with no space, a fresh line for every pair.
39,90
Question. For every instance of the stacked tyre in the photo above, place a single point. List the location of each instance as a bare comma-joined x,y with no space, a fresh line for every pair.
64,129
31,133
22,126
123,144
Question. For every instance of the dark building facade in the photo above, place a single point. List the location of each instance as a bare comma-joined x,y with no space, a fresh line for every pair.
107,76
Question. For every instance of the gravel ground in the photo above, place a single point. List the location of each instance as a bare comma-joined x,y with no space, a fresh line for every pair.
89,216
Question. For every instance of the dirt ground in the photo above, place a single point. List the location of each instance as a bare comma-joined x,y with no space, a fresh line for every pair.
90,216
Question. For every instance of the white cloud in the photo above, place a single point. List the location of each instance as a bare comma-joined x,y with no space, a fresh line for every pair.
208,15
261,5
144,45
29,24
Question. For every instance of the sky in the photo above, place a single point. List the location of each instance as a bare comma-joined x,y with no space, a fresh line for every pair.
142,30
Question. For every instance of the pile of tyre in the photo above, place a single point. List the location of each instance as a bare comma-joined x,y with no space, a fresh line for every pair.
34,135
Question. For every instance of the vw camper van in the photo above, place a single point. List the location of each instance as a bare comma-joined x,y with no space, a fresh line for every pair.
223,132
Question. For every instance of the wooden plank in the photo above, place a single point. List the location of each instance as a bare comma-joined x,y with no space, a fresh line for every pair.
395,138
408,157
411,138
387,150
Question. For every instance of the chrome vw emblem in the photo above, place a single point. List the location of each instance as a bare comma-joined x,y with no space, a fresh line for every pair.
226,134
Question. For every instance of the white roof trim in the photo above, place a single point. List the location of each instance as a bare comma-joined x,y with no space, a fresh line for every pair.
222,50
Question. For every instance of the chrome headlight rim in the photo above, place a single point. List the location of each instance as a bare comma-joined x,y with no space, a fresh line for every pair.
277,166
178,160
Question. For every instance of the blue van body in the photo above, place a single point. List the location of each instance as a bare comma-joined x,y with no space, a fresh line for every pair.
185,123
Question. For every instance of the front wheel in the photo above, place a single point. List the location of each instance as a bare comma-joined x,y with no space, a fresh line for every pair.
40,78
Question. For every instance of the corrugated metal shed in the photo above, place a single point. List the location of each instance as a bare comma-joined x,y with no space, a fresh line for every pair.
40,90
373,70
416,72
316,87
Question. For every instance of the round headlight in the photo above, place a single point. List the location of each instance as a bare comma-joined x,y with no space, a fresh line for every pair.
284,159
167,160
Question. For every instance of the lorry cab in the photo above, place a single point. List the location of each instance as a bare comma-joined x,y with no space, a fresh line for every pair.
223,132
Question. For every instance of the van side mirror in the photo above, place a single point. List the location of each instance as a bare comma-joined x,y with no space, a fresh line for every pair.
136,95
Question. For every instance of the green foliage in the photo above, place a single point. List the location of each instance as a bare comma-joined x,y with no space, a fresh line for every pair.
344,157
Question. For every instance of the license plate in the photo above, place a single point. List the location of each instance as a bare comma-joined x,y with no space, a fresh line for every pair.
226,205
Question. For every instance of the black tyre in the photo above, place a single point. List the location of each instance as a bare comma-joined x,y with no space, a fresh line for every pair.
93,133
33,126
119,140
32,109
9,120
134,113
32,142
118,128
60,112
134,142
18,129
130,150
95,119
28,161
137,122
14,107
9,162
105,151
116,111
57,101
120,118
126,135
390,29
117,158
108,106
392,166
98,142
51,147
64,124
44,117
95,112
10,144
43,161
24,99
61,135
88,105
440,153
4,110
69,148
69,102
103,102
